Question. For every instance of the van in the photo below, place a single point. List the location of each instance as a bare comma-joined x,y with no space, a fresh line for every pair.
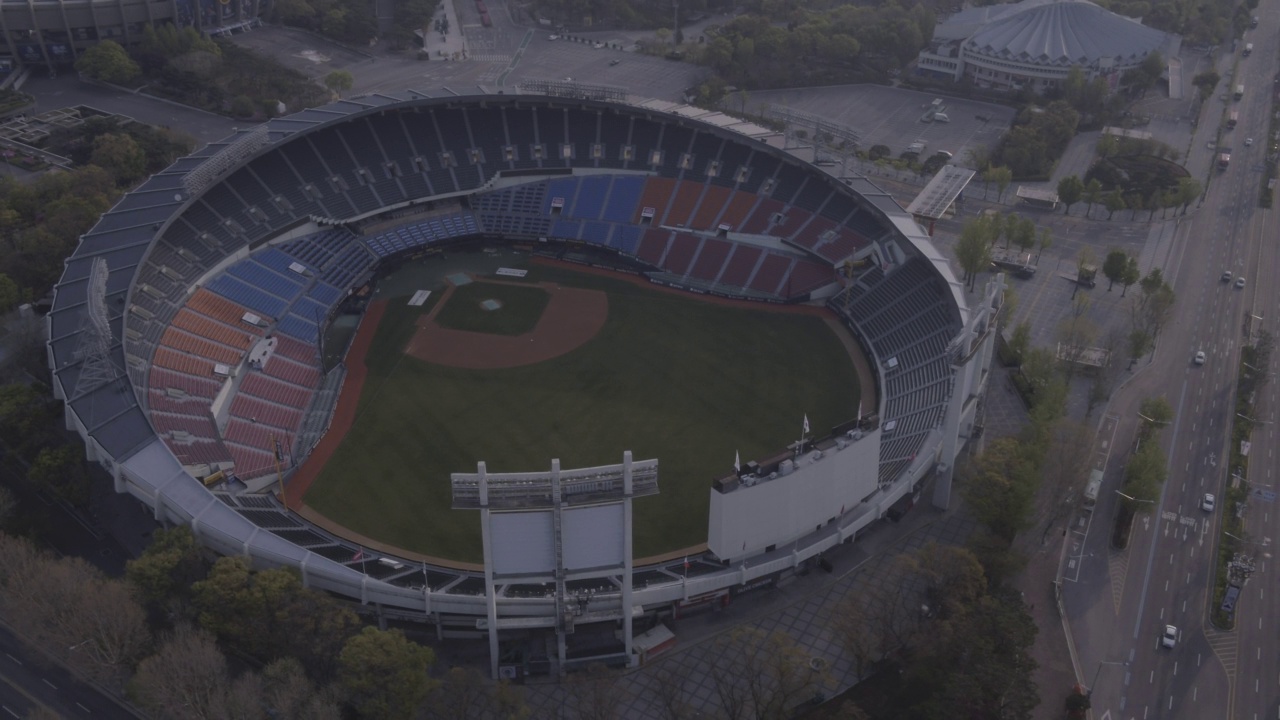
1092,488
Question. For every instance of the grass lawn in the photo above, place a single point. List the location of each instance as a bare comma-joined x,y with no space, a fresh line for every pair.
521,308
669,377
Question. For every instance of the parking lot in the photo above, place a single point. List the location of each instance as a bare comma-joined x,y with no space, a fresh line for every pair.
893,116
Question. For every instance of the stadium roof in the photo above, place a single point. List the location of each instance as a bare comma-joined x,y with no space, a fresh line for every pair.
1051,32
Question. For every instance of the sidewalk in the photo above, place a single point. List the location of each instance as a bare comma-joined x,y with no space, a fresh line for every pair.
803,609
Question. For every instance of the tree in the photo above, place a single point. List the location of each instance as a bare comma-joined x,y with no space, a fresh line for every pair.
186,678
385,674
61,470
1045,241
1023,231
466,694
973,249
166,570
287,692
270,615
10,294
1114,201
1092,194
1188,190
1130,276
121,156
1114,267
1156,412
1001,176
339,81
760,674
853,625
1139,344
107,61
1001,489
1070,190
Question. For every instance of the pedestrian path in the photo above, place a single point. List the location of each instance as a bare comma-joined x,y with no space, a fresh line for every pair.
803,610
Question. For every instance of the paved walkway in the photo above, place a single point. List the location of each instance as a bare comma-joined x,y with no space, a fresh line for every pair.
802,609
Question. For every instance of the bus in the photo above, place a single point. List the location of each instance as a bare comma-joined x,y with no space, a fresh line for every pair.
1233,119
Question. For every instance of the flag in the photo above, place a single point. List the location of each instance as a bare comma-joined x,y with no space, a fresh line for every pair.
686,563
806,423
859,415
737,462
358,556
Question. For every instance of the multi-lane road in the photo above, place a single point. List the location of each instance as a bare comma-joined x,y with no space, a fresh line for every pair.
1120,602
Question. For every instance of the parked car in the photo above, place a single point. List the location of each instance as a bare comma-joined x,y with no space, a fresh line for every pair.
1208,503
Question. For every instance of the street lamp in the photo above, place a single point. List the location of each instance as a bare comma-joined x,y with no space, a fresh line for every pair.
1247,542
1254,420
1130,497
1153,421
1099,670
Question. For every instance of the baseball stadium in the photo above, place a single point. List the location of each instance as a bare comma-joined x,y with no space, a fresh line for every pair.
518,365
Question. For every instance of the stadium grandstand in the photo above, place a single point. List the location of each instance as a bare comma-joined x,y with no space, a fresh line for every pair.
226,269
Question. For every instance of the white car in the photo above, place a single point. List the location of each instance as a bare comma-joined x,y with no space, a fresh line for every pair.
553,37
1248,142
1208,503
1199,358
1226,276
1240,282
1170,637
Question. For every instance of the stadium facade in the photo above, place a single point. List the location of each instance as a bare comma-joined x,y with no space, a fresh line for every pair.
54,32
223,270
1035,43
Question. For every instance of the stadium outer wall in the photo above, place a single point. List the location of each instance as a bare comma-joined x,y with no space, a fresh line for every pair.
144,467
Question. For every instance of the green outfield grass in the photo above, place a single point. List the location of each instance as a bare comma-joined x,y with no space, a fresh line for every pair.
521,308
669,377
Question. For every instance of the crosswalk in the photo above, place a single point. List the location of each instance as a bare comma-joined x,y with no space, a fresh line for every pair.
490,57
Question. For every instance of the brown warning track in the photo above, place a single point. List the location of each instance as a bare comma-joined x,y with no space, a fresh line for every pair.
571,318
345,413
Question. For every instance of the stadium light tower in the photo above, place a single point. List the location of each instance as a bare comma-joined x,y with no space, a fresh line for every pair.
97,369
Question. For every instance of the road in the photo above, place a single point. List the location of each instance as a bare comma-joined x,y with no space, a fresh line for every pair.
29,681
1119,602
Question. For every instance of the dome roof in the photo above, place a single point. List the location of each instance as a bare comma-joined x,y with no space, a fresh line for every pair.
1063,32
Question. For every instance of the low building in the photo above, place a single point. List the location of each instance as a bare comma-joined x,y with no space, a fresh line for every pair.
53,33
1035,43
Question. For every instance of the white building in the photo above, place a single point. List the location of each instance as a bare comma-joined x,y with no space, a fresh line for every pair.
1035,43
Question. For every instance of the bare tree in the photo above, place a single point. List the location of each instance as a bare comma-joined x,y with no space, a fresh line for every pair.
670,684
855,627
1065,466
108,633
289,694
185,678
760,674
597,695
